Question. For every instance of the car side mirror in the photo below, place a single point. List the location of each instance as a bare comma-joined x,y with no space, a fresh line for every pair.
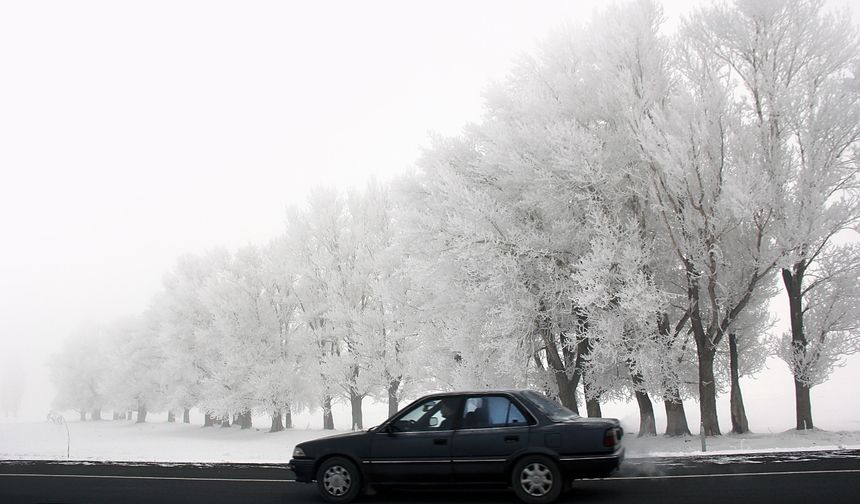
434,421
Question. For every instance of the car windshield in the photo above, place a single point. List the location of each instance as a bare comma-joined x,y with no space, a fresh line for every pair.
556,412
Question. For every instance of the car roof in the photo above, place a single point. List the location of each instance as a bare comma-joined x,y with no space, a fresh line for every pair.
478,392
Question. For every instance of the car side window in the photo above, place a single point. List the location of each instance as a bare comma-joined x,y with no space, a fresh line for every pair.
431,415
491,411
516,416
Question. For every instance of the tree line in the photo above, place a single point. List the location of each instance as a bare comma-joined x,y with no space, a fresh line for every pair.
615,227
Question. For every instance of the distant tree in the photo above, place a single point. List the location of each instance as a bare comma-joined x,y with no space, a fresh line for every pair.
137,358
282,377
80,371
12,385
313,243
186,332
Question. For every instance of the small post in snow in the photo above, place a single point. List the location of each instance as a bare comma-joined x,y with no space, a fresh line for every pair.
702,435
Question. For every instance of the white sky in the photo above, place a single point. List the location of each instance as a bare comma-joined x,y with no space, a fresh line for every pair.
133,132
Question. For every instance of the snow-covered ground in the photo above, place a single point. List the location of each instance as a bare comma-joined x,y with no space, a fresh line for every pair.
166,442
770,406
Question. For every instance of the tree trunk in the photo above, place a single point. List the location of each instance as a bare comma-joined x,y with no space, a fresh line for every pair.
740,425
393,400
592,400
186,416
208,420
565,384
793,280
705,351
288,417
803,406
115,415
225,420
83,414
647,424
141,413
246,420
355,404
277,422
328,418
566,390
583,349
708,393
592,407
96,414
676,417
171,417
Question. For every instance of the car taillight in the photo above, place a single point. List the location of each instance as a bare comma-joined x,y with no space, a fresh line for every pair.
611,438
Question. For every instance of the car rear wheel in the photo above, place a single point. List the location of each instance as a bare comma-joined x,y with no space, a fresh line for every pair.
338,480
537,480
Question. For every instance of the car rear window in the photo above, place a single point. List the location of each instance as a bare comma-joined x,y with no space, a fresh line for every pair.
556,412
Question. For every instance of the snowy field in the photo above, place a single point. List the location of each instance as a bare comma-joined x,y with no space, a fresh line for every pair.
165,442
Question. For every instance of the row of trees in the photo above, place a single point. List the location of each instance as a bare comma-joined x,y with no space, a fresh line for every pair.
614,228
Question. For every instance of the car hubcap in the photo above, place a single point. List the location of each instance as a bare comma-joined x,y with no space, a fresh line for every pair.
337,481
536,479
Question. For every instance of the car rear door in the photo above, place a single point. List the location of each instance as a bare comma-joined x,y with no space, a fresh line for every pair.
492,429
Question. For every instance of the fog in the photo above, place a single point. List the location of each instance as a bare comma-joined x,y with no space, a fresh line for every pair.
131,133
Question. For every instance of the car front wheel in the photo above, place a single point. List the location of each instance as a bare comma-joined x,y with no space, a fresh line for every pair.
338,480
536,479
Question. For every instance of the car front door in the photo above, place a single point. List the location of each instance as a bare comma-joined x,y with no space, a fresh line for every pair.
492,429
416,446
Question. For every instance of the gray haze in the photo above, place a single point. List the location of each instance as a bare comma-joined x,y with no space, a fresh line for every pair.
131,133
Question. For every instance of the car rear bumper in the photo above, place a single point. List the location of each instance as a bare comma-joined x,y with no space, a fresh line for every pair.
592,466
304,469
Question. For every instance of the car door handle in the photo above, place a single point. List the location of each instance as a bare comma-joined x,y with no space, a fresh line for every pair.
511,439
440,441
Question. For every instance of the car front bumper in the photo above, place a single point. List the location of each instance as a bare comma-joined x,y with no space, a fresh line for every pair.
303,468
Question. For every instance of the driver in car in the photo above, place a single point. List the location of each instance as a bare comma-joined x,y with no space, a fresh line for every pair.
448,411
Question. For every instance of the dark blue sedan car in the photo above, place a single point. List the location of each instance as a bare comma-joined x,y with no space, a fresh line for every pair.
505,438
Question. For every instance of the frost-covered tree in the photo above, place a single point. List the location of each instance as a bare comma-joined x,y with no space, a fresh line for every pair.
627,56
135,381
79,372
710,197
186,331
350,294
380,314
281,376
796,66
533,208
245,333
829,320
746,351
315,241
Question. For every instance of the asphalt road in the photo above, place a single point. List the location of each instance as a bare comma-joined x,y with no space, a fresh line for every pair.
806,477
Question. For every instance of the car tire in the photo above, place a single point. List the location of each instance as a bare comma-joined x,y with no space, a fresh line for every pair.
338,480
536,479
